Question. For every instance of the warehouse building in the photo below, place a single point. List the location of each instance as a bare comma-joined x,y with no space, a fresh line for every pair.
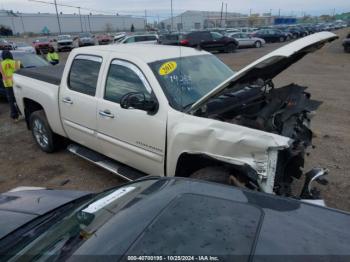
70,23
197,20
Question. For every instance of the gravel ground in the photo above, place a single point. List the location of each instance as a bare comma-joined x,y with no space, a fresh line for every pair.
325,72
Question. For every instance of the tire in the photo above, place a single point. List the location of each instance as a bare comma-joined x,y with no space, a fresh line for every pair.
42,133
282,39
288,38
230,48
213,174
257,44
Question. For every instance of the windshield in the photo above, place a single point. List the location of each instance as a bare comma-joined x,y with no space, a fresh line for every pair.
29,60
185,80
42,40
64,37
84,35
21,44
60,232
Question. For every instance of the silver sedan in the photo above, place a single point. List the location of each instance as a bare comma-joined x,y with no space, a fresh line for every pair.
246,40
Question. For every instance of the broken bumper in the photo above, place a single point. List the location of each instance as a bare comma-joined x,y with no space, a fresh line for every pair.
309,192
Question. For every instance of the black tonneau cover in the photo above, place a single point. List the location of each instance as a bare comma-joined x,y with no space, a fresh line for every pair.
49,74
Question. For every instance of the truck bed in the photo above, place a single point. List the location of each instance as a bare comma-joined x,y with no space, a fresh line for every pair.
49,74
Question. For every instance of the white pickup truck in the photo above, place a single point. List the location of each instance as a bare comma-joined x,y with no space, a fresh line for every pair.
174,111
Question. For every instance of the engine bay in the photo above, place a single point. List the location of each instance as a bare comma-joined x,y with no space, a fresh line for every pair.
286,111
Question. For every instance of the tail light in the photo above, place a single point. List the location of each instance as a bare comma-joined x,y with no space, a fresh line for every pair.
184,42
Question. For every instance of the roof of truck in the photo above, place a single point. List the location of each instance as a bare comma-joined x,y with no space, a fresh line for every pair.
146,52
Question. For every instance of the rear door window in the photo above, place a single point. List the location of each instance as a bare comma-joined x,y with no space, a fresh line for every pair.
84,73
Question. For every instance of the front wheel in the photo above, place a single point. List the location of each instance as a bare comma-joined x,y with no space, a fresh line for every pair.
282,39
42,133
257,44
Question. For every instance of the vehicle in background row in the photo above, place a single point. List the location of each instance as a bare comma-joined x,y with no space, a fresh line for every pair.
64,43
170,39
346,44
28,60
22,46
245,40
209,41
139,39
203,120
119,36
167,217
86,39
104,39
271,35
5,45
42,45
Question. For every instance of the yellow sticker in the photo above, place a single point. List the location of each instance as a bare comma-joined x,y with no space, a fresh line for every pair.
167,68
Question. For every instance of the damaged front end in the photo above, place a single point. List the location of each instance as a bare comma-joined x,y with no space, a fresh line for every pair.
285,111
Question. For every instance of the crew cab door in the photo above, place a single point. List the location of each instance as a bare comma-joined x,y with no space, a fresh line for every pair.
77,100
131,136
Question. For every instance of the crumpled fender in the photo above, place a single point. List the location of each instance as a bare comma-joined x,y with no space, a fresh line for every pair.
226,142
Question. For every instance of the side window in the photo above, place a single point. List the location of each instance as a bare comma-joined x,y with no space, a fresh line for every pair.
216,36
84,73
140,38
130,40
151,38
124,78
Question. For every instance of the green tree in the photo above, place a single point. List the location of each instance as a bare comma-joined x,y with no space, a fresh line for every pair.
132,29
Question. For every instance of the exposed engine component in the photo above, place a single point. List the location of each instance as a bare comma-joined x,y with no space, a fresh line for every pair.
286,111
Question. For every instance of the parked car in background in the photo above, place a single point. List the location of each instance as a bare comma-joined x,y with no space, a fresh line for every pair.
245,40
167,219
86,39
5,45
170,39
119,36
346,44
23,46
42,45
210,41
64,43
139,39
271,35
104,39
27,59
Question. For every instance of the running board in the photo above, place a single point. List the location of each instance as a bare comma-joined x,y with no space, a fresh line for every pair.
119,169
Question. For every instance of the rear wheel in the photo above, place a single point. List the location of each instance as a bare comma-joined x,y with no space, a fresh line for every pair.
42,133
257,44
282,39
230,48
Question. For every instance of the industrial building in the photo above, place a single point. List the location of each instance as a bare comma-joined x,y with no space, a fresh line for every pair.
70,23
190,20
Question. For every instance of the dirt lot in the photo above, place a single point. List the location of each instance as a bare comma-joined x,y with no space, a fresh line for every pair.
325,72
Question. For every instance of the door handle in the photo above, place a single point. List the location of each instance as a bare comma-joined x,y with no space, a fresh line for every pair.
106,113
67,100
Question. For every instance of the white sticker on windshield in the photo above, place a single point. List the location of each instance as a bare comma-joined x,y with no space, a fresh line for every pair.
101,203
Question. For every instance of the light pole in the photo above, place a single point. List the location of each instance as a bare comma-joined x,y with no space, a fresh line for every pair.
172,17
81,23
58,19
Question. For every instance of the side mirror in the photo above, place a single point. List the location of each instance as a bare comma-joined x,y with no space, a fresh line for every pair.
137,100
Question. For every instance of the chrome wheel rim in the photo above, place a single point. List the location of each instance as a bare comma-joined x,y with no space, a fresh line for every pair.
40,133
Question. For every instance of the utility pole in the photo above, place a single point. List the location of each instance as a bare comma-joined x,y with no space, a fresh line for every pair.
172,16
58,18
222,10
81,23
226,16
145,20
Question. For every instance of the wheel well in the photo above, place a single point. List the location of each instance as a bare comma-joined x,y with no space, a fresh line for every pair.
30,106
189,163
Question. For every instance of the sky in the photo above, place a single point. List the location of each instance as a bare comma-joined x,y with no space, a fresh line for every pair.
162,7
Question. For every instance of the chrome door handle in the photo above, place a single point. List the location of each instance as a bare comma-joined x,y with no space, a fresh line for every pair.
106,113
67,100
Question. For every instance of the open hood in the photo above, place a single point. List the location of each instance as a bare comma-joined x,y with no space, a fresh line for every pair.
270,65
